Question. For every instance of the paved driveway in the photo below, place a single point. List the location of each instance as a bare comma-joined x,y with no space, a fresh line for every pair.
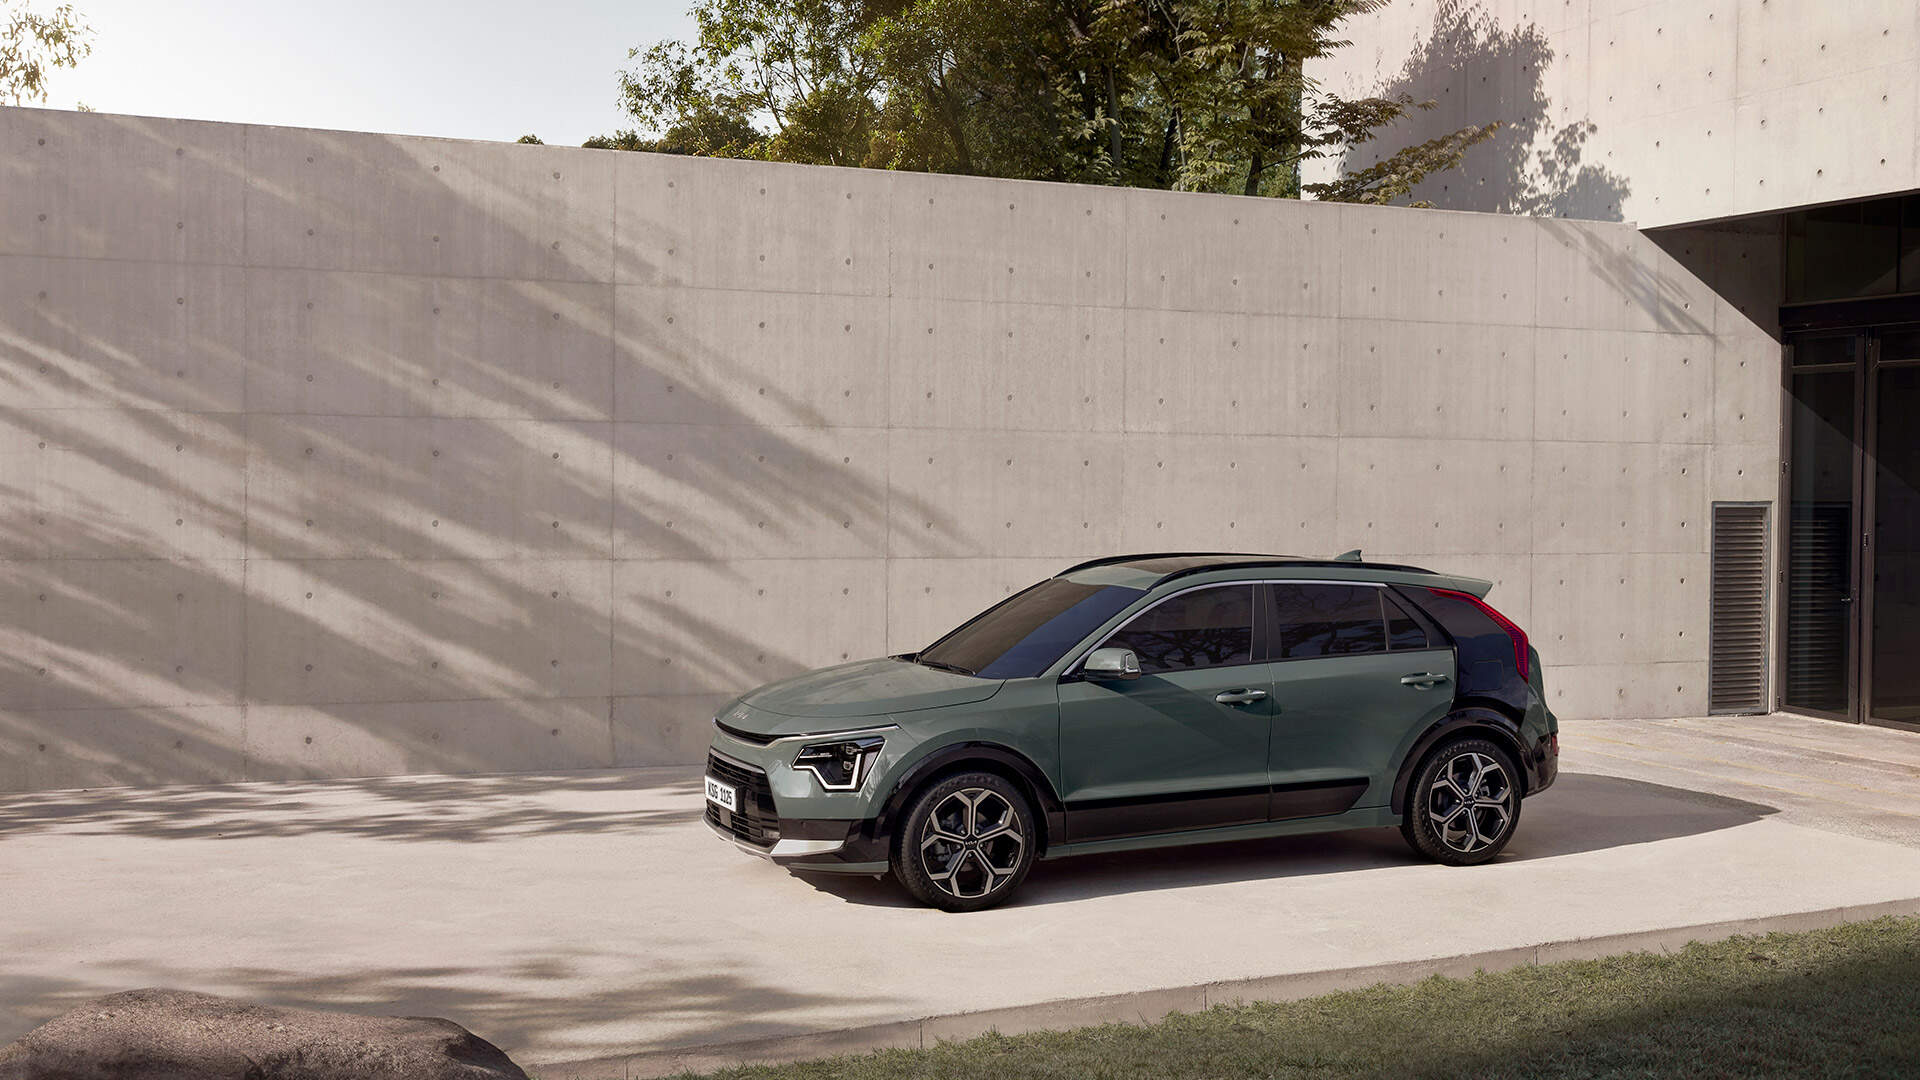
591,914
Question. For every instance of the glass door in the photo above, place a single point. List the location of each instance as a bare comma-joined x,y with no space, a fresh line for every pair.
1822,623
1892,548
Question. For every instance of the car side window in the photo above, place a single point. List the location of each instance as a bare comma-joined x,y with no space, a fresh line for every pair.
1201,629
1404,632
1314,619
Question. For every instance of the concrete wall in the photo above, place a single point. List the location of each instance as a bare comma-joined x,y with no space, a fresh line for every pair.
331,454
1654,111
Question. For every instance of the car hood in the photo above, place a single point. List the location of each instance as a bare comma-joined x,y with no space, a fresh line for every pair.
867,688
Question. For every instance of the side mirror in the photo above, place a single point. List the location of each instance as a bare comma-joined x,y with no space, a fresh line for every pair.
1104,664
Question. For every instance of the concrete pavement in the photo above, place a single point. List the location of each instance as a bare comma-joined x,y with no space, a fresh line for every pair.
591,915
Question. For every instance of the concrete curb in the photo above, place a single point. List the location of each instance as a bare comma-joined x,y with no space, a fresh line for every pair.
1146,1006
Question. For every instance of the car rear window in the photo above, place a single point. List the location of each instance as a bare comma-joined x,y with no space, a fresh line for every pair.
1403,630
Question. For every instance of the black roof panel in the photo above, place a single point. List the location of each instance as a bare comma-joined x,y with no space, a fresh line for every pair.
1168,564
1173,562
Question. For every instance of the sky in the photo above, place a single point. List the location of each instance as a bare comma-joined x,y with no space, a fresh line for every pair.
470,69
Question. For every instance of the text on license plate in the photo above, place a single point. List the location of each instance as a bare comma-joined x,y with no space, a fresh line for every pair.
722,795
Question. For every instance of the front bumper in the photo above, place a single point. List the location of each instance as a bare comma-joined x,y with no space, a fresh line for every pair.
833,845
852,851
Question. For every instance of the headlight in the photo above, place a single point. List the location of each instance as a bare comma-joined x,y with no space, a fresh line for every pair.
842,764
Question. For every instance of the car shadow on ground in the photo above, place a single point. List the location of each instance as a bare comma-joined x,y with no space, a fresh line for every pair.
1581,813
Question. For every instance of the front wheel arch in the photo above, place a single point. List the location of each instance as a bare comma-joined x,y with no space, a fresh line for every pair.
1480,722
1012,765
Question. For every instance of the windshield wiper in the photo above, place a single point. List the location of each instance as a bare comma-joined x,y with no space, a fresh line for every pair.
944,666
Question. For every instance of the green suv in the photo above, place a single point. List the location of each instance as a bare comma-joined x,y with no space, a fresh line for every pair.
1141,701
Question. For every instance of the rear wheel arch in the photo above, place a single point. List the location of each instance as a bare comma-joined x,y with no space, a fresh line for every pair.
1471,721
977,757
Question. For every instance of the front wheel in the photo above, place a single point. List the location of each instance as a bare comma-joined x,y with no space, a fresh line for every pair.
965,843
1464,803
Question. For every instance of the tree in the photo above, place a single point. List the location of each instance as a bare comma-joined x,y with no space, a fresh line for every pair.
1202,95
31,45
624,139
1396,176
1241,114
987,87
793,64
531,140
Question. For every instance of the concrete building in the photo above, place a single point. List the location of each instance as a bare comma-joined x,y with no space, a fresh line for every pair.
1775,132
333,454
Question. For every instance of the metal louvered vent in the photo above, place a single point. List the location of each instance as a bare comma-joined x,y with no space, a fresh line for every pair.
1737,643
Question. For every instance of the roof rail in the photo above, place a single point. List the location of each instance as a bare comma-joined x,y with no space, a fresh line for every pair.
1251,563
1112,559
1231,560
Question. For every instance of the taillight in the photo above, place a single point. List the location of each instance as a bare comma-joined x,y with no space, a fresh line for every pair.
1518,635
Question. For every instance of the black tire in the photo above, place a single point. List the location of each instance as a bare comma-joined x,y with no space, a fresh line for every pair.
1439,825
965,843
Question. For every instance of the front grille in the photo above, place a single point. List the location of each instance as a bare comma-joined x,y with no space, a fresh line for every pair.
756,822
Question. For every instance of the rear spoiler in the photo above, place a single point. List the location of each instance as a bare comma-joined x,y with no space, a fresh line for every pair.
1476,587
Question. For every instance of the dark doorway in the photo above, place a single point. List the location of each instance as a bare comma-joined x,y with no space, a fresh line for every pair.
1894,603
1852,593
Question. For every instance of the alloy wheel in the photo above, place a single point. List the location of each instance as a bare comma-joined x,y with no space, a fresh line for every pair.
1470,803
971,843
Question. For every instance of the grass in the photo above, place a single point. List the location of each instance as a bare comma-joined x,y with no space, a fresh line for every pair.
1842,1002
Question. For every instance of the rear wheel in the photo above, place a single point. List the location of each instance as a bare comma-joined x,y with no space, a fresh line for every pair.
1464,803
965,843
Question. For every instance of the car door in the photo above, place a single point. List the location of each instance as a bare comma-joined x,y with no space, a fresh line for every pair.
1184,746
1354,674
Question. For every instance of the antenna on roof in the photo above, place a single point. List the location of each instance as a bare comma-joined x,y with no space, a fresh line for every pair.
1348,556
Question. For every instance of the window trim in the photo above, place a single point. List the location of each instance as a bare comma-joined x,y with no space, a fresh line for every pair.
1072,670
1273,615
1264,623
1410,610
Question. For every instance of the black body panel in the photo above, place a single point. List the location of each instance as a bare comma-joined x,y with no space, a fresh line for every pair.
1113,819
1538,765
1317,799
1483,652
1025,775
1108,819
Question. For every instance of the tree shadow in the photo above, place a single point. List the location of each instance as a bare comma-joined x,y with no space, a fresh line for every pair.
1581,813
385,456
1477,72
538,1007
453,809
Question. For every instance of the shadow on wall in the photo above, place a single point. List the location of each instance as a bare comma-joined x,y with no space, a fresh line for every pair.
264,517
330,454
1478,72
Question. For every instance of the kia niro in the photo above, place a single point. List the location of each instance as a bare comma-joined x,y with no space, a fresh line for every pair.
1142,701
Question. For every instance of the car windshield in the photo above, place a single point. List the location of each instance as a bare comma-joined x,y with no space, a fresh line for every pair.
1022,635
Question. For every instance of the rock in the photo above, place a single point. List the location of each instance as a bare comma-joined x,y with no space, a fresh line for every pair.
157,1034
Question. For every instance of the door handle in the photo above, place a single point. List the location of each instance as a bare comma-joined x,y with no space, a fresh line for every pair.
1240,697
1425,680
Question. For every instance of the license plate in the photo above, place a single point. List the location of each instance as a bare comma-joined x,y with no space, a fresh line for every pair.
722,795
